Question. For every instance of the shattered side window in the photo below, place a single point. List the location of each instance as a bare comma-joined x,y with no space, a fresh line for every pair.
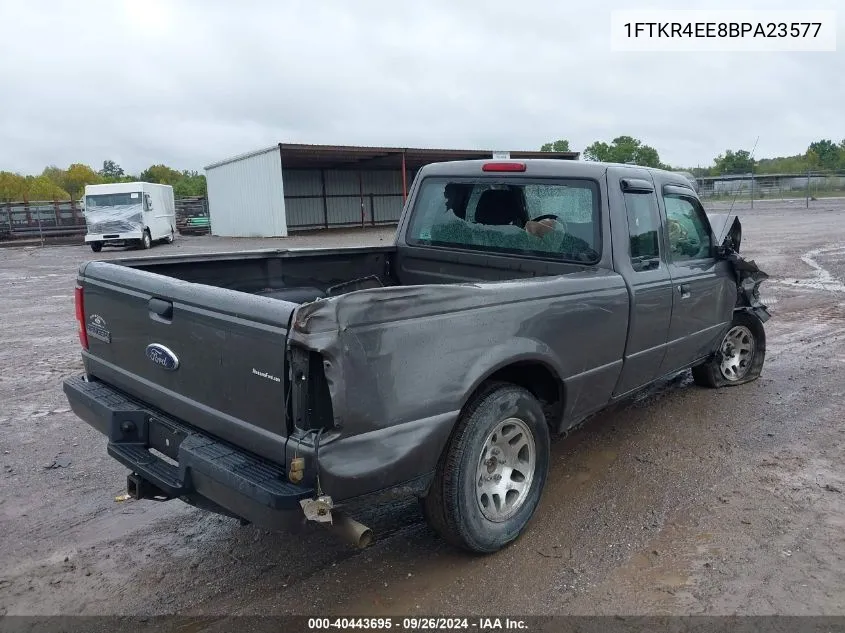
689,237
558,219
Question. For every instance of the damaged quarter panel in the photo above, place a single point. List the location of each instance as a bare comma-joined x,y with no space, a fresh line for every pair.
402,362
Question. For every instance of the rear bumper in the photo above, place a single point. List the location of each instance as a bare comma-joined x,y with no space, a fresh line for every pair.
200,468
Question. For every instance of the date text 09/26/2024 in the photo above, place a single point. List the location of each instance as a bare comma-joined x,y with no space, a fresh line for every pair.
418,624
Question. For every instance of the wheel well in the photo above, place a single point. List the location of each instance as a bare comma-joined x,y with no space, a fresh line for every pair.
537,378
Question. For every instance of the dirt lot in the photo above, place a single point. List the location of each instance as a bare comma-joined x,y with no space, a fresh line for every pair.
684,501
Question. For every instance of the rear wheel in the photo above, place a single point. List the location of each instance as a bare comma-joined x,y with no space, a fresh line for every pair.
490,478
740,356
170,238
146,240
96,246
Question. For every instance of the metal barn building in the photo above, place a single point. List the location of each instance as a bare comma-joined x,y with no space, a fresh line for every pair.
289,187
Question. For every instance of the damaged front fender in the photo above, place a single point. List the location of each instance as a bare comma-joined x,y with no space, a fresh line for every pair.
748,274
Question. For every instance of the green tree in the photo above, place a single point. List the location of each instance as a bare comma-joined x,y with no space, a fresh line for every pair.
782,165
55,175
12,187
739,162
799,164
827,154
812,160
42,188
624,149
190,185
161,174
77,176
111,170
561,145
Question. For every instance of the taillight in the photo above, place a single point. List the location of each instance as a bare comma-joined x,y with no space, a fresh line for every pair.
503,167
79,301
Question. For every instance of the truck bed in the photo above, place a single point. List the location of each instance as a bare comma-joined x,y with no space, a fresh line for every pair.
226,318
291,275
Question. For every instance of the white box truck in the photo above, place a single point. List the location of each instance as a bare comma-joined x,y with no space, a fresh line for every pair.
129,213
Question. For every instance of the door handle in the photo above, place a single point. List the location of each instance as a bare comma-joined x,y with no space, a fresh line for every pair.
684,290
160,310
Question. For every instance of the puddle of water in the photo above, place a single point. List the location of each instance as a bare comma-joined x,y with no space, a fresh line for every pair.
821,279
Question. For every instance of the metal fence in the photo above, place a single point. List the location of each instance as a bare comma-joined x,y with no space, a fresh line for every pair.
41,219
807,186
188,211
65,218
307,209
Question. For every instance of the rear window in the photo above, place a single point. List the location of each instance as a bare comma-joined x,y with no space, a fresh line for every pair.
551,219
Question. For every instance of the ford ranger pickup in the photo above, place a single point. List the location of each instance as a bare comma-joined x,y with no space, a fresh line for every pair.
519,298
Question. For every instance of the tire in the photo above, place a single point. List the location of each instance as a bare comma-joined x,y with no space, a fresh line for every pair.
170,238
146,240
740,356
96,246
470,514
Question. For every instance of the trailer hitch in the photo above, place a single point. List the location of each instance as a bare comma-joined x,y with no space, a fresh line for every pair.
139,488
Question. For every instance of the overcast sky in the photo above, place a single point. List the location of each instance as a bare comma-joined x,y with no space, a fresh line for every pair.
188,82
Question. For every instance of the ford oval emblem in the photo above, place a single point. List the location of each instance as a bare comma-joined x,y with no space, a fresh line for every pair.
162,357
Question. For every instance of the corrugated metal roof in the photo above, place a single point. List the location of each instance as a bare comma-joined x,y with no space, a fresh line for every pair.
303,156
258,152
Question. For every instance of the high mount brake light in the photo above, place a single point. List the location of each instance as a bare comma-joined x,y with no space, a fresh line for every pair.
503,167
79,302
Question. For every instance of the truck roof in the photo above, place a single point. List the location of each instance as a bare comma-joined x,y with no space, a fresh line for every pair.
544,168
122,187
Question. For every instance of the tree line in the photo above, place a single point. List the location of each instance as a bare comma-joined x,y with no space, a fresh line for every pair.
822,155
55,183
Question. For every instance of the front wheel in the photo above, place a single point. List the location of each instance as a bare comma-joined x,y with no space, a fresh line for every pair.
146,240
740,356
490,478
96,246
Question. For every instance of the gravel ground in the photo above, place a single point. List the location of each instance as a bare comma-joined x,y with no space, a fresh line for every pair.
682,501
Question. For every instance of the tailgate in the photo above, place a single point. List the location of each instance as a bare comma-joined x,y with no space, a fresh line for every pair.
212,357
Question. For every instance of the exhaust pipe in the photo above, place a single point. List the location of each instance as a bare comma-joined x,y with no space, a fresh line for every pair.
351,530
321,510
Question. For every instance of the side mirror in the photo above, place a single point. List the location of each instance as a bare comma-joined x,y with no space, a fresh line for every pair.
728,246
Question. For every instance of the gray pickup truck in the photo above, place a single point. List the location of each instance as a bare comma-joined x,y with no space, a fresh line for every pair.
518,299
